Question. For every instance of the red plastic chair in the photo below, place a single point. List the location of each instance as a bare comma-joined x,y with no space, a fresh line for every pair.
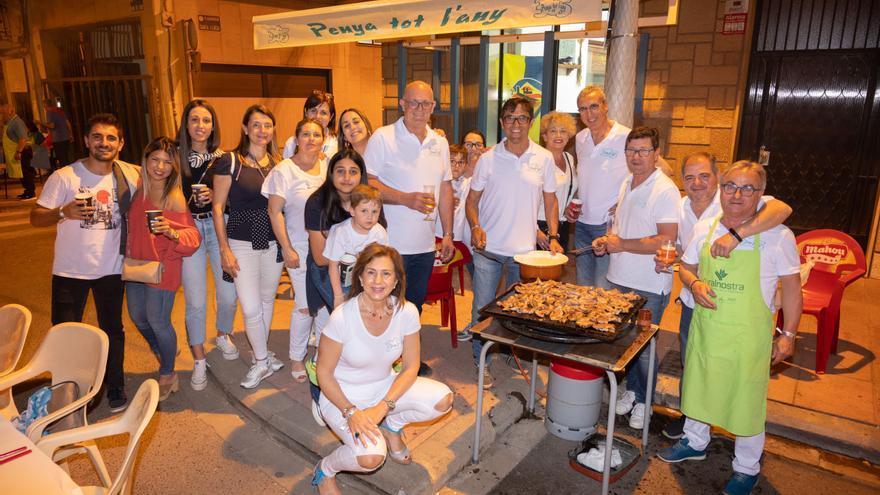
839,261
440,289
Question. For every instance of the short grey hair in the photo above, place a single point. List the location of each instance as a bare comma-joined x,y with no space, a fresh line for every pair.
705,155
593,89
748,166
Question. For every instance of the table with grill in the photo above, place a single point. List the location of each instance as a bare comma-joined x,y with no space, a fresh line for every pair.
613,357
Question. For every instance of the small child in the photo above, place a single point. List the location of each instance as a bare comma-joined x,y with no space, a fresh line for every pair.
461,185
347,239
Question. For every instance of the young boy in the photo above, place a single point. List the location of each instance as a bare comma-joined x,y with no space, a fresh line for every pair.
347,239
458,160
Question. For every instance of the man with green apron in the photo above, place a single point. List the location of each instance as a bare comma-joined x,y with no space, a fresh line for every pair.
731,346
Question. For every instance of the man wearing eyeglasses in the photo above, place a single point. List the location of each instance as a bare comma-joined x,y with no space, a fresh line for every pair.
508,185
409,163
601,169
646,217
731,347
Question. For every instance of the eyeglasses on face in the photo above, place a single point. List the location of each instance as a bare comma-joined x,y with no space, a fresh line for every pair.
520,119
730,188
417,104
642,152
473,144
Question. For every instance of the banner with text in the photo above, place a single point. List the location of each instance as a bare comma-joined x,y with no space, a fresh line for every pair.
384,19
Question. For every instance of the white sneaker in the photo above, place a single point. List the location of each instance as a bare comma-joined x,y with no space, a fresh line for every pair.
316,413
226,346
274,363
625,402
199,379
637,418
256,374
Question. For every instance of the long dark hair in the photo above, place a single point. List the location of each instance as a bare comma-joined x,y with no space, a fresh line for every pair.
315,100
332,211
343,143
369,253
167,145
185,141
244,142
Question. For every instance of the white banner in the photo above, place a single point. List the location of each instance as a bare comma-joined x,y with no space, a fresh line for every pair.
384,19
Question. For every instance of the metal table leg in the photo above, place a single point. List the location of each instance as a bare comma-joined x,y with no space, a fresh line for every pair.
532,384
648,395
609,431
479,412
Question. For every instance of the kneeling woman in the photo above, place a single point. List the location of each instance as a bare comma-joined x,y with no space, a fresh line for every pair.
170,237
362,399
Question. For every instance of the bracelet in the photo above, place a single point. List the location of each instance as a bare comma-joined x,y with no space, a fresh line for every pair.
477,226
691,287
450,235
553,237
735,235
786,333
349,411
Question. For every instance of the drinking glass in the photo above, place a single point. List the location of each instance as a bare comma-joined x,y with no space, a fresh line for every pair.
667,255
430,189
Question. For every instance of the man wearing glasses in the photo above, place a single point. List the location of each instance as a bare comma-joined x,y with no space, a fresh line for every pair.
731,346
409,163
646,217
601,169
508,185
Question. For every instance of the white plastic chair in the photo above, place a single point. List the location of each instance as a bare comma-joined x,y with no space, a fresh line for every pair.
15,321
132,422
75,352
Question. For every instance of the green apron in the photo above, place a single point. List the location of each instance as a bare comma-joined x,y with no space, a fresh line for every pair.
13,166
727,363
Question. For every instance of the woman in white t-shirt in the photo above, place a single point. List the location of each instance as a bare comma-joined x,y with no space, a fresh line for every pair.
557,129
363,400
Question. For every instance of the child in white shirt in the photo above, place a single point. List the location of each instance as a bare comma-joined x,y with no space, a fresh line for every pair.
347,239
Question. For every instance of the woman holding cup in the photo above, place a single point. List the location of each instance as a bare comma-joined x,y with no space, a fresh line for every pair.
160,228
199,149
557,130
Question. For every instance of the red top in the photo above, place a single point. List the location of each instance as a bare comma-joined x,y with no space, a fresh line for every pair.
143,245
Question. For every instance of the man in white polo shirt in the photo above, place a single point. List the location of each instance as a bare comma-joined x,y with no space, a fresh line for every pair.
601,169
646,216
409,163
508,185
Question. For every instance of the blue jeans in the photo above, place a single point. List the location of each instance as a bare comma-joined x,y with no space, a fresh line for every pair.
487,273
150,310
195,287
591,270
418,269
318,288
637,376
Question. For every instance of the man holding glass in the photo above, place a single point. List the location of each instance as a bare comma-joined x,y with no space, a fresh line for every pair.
409,163
646,218
508,185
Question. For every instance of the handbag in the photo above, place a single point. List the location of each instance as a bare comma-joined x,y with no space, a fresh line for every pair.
143,271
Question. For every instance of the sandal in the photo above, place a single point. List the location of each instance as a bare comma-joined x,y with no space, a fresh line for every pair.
402,456
299,375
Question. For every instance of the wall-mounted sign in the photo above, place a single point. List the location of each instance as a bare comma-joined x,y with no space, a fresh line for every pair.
209,23
736,15
384,19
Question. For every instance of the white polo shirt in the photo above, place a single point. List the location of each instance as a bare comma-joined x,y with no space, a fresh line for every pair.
779,256
397,158
512,188
639,210
600,170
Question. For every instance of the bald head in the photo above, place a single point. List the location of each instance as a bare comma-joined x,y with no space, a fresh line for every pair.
417,104
420,86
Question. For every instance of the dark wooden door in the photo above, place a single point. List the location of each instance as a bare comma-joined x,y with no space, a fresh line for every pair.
815,108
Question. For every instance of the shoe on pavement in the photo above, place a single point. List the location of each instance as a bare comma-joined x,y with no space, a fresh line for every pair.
740,484
26,196
117,400
637,418
674,429
274,363
681,451
227,346
316,413
464,335
199,379
256,374
625,403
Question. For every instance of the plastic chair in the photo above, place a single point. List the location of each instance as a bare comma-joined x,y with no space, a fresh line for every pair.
838,262
15,321
70,352
132,422
440,289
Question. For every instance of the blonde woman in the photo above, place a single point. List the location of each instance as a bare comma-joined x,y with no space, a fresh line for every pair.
557,129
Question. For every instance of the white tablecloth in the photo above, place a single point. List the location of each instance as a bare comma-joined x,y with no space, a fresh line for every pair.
34,473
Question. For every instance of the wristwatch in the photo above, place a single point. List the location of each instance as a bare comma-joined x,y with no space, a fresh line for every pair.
390,403
450,235
735,234
349,411
553,237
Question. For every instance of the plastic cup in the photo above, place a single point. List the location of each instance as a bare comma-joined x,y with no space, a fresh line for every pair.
197,190
151,217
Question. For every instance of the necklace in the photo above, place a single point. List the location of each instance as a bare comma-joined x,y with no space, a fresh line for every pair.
379,314
254,163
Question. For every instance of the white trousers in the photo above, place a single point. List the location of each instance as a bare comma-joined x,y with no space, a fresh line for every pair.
415,405
747,450
257,286
300,320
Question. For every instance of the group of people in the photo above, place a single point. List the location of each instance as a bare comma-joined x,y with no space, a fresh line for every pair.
357,217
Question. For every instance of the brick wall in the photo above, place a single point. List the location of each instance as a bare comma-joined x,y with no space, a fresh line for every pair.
694,80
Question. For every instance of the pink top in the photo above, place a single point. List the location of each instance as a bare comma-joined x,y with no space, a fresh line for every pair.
143,245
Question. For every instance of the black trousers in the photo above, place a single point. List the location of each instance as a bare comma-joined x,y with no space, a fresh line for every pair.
27,172
60,154
69,296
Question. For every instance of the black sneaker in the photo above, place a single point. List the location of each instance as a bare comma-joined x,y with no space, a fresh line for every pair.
425,370
26,196
117,400
674,429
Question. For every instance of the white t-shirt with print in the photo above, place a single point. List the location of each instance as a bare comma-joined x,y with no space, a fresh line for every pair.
513,187
397,158
295,185
86,249
601,169
343,239
779,256
639,210
365,363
